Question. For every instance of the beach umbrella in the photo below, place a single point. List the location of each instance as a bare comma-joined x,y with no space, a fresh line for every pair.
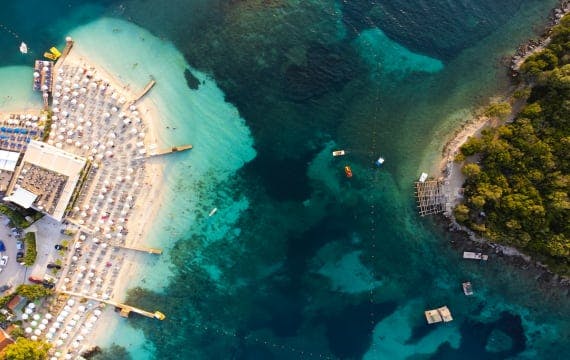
32,305
42,326
57,324
84,331
97,312
34,323
59,343
52,329
72,323
45,321
81,308
64,336
73,101
76,317
71,302
36,316
29,311
74,258
49,316
37,332
64,313
28,330
25,316
34,337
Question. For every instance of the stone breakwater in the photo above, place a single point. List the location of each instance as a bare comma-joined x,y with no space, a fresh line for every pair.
533,45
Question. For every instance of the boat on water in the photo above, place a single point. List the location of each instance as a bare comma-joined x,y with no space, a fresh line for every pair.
348,171
55,52
338,153
423,177
380,161
467,288
50,56
214,210
23,48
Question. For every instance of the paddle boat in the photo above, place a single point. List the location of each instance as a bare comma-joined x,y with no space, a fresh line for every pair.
467,288
338,153
379,162
23,48
348,171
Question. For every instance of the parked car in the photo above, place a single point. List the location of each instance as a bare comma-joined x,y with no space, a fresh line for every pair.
4,260
53,266
19,245
35,280
60,247
2,246
48,285
20,256
5,288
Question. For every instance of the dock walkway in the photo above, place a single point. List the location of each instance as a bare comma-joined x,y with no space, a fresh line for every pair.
143,92
125,309
140,248
170,150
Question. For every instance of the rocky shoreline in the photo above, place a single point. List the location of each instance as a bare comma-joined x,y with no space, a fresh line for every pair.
464,239
532,45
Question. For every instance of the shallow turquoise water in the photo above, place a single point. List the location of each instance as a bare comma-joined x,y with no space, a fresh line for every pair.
299,262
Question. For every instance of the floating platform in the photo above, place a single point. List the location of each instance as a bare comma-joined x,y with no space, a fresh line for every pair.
475,256
338,153
438,315
430,196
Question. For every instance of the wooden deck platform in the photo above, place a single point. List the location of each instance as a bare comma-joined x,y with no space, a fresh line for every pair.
431,197
438,315
474,256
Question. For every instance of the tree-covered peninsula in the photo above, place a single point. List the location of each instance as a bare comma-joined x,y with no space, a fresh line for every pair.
518,174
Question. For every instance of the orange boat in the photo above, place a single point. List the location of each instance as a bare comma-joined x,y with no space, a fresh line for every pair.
348,171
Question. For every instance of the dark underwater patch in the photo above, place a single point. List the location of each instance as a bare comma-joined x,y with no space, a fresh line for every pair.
349,332
475,336
191,80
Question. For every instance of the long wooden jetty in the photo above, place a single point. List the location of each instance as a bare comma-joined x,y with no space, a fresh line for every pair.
68,45
124,308
170,150
140,248
143,92
431,197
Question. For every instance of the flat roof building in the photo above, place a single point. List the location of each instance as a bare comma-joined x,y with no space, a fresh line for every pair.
45,179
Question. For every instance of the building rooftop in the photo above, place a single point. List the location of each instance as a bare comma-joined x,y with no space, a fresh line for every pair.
50,174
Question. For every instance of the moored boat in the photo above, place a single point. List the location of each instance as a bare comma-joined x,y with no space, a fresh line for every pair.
23,48
338,153
380,161
348,171
214,210
423,177
467,288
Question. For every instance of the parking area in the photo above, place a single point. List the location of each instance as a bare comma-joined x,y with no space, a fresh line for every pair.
13,273
47,236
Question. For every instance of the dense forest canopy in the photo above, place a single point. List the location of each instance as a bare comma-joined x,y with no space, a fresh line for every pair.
517,175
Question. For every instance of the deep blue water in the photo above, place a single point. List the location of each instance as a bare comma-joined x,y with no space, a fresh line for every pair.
373,77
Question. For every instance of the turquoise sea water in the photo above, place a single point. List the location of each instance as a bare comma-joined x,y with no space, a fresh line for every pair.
299,262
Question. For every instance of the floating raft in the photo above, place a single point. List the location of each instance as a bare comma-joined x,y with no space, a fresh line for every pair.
474,256
438,315
430,195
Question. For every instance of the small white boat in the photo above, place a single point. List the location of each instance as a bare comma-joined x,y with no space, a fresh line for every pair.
23,48
338,153
467,288
423,177
214,210
380,161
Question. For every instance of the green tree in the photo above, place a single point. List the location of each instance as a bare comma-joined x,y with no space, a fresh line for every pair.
498,110
33,292
471,146
25,349
461,213
471,170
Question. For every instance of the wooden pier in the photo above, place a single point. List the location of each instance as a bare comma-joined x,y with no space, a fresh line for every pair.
171,150
140,248
125,309
68,45
431,197
144,91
